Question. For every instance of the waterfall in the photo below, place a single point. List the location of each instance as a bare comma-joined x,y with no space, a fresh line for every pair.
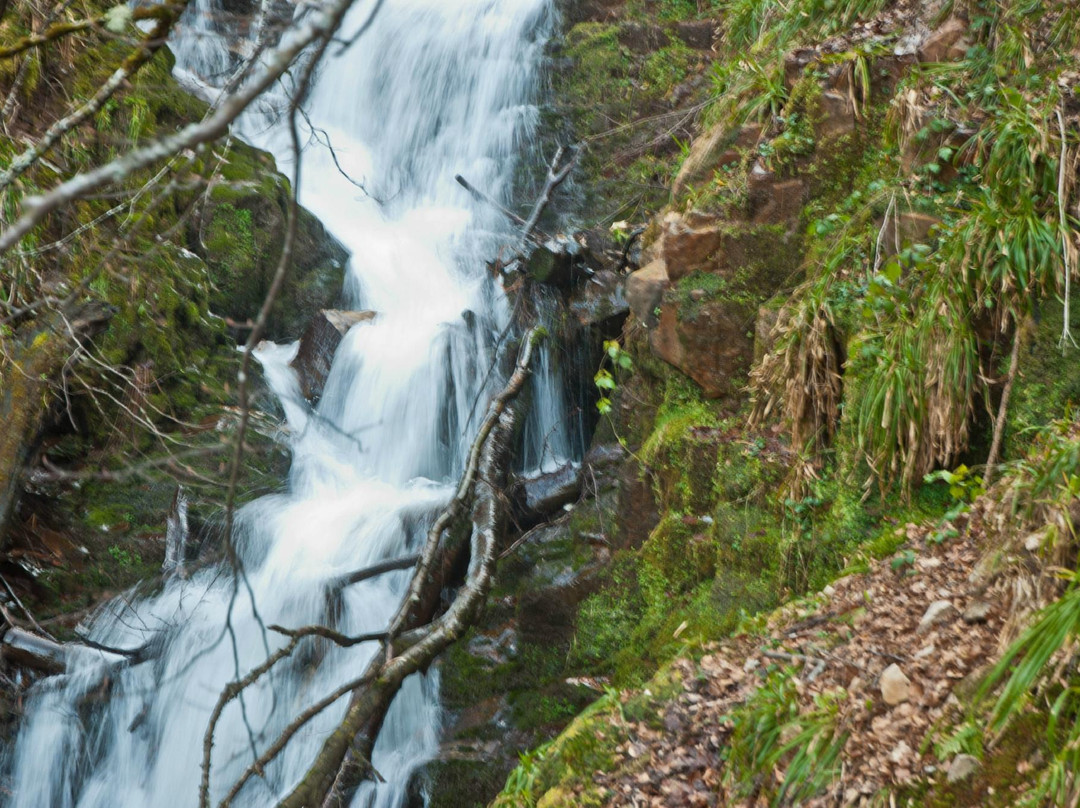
433,89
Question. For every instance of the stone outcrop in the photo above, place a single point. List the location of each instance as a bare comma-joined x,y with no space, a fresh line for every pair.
645,290
318,345
699,296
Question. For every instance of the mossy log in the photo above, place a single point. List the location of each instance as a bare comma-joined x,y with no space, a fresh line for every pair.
30,364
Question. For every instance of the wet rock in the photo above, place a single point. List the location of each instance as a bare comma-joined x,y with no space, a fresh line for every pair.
240,234
938,613
947,43
537,497
552,262
600,301
962,768
645,289
895,686
318,345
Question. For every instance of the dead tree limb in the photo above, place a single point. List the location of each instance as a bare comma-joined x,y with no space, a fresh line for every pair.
1003,407
415,633
234,689
381,568
557,173
480,196
32,651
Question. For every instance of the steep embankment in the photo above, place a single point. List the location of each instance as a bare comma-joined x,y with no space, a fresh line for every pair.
847,316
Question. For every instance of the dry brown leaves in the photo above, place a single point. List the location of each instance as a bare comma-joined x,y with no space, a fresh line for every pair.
868,622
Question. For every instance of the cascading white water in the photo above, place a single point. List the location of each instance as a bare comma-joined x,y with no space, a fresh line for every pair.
434,88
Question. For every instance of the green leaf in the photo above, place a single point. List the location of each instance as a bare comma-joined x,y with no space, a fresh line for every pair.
604,380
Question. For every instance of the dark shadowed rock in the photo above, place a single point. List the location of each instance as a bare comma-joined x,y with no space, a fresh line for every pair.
600,300
318,345
535,498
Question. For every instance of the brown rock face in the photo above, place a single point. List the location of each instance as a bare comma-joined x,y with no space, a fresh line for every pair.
318,345
716,148
712,348
947,43
685,247
837,115
707,315
778,202
645,289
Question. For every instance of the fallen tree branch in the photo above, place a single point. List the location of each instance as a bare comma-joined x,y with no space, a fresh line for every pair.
235,688
1003,408
557,173
382,567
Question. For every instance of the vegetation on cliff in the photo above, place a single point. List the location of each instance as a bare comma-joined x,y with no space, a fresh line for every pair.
902,391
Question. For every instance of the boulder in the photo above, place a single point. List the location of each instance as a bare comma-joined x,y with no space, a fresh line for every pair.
687,244
645,290
552,262
938,613
962,768
600,301
318,346
977,612
713,348
537,497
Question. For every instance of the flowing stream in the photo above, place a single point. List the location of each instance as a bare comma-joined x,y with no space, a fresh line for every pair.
434,88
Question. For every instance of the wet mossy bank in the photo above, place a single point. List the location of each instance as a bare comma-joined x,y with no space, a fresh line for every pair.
181,260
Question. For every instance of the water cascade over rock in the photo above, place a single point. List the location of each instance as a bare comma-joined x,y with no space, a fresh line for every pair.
431,90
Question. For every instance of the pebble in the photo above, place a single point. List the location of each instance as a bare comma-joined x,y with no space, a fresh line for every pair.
977,612
895,686
962,767
940,611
